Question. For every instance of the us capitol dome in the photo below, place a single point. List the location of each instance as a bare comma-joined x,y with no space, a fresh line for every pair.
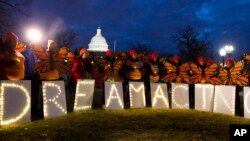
98,43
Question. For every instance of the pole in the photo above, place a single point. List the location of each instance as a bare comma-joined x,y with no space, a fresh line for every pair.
114,45
223,61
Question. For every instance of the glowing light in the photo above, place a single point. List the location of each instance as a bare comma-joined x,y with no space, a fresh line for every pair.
139,90
222,52
53,100
2,103
88,86
159,95
219,95
179,86
228,49
114,95
34,35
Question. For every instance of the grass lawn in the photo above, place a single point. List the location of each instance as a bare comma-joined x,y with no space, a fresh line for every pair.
129,124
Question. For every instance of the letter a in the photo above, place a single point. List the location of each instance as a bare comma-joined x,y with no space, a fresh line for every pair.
237,132
159,95
114,95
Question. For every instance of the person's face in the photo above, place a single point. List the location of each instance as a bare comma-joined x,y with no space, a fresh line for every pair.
201,62
154,59
52,47
176,61
134,56
123,56
84,55
229,65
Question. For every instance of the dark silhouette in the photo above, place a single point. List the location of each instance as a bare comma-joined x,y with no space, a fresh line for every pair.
142,48
65,38
191,46
9,12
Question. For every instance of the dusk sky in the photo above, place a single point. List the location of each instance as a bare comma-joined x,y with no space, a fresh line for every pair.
151,22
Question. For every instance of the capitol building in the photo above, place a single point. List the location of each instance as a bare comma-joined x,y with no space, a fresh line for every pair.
98,44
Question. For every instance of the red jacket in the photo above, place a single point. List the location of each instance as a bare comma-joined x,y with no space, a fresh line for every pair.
78,69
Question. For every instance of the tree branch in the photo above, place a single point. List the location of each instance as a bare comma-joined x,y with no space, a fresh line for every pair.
6,3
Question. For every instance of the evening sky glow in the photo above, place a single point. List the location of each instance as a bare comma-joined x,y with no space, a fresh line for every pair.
131,22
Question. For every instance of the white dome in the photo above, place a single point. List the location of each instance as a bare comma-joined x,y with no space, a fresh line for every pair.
98,42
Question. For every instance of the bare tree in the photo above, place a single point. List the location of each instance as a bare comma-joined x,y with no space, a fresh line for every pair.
142,48
190,46
9,11
65,38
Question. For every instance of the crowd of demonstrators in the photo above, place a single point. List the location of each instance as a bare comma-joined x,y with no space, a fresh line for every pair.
147,68
15,61
123,67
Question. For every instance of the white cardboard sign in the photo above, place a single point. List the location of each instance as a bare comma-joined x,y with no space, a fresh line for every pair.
84,94
204,97
246,102
224,99
113,95
15,102
180,96
137,95
54,102
159,95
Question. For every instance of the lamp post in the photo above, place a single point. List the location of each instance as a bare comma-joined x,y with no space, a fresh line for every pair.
229,49
34,35
222,54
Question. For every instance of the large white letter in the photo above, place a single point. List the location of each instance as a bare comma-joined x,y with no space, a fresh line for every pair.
54,103
84,94
180,96
15,102
224,100
204,94
159,95
113,95
137,95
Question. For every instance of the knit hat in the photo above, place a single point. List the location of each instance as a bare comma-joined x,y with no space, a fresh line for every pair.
108,53
175,58
209,62
230,61
10,36
201,59
82,51
132,52
153,55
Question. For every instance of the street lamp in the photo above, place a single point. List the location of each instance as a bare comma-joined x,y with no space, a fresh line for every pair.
34,35
229,49
222,54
